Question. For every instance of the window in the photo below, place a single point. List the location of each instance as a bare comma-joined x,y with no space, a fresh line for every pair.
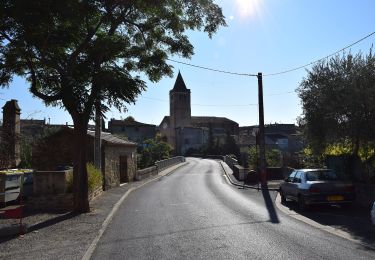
291,177
321,175
297,177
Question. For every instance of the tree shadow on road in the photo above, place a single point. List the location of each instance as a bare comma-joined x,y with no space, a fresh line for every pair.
269,204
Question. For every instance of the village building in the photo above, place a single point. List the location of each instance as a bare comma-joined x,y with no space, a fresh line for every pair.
119,163
283,137
132,130
184,131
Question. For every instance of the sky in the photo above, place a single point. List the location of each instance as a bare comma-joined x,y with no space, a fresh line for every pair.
267,36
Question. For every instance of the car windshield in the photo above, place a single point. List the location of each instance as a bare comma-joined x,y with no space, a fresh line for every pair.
321,175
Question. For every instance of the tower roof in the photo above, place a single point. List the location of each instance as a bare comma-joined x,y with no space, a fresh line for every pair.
179,85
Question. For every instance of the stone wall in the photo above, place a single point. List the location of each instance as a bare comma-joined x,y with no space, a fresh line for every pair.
163,164
230,161
51,191
51,202
50,182
112,164
239,172
146,173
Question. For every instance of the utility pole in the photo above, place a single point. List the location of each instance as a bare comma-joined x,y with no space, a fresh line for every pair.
98,141
262,145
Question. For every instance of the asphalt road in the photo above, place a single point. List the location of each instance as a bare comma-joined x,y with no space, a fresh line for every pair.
195,213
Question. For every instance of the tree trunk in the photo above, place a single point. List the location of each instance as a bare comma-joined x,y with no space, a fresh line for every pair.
80,182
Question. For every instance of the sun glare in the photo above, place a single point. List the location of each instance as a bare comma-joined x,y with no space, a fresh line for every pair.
247,8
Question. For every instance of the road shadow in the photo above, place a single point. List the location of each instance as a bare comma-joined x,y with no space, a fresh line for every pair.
52,221
269,204
354,220
31,227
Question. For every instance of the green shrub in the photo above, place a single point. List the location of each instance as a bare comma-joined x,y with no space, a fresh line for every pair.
95,179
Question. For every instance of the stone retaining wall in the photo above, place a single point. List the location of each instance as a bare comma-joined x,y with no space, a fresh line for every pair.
230,161
163,164
49,202
239,172
50,192
159,166
49,182
146,173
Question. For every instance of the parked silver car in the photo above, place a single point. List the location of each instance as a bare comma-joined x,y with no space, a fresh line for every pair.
316,186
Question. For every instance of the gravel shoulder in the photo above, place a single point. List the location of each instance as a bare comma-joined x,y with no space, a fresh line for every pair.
65,235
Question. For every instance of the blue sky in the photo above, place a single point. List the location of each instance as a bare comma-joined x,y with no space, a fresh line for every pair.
262,36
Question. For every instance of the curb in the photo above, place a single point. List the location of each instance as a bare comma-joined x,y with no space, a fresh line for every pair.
243,185
116,206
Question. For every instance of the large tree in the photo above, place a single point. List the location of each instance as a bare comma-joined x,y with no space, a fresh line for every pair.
75,53
338,99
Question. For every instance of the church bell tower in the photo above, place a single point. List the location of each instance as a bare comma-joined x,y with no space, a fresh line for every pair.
179,104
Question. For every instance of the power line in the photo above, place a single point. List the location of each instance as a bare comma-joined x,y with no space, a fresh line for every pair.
216,70
326,57
276,73
279,94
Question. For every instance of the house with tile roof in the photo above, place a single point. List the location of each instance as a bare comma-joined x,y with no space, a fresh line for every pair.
119,159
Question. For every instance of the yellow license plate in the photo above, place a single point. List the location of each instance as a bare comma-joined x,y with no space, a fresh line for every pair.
335,198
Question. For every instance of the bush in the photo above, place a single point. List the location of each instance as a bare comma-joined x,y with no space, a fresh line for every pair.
153,150
273,158
95,178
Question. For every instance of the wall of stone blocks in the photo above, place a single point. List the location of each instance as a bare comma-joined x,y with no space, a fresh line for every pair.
112,164
146,173
49,182
51,202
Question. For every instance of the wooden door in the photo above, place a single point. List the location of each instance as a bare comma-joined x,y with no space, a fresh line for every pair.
124,169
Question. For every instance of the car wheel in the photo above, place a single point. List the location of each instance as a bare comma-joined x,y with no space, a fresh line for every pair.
283,198
301,203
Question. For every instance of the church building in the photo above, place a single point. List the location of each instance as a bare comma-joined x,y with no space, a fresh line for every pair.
183,131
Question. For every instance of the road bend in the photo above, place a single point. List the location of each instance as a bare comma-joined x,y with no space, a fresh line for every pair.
195,213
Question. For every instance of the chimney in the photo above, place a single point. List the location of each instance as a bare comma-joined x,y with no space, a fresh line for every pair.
11,134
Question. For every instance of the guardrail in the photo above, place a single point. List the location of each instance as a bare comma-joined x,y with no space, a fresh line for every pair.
169,162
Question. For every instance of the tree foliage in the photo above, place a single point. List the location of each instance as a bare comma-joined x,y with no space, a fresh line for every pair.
230,146
75,53
153,150
338,99
273,158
